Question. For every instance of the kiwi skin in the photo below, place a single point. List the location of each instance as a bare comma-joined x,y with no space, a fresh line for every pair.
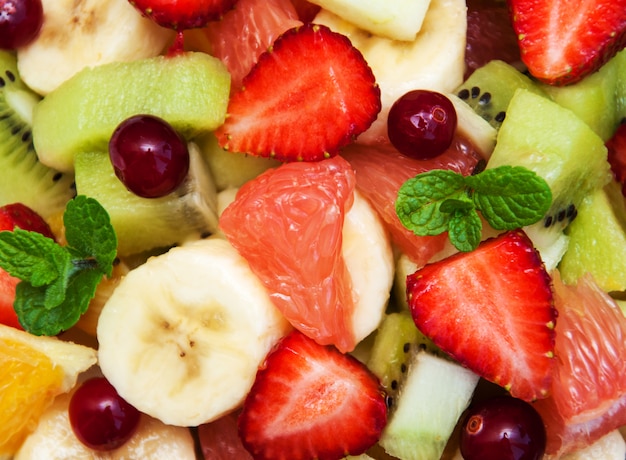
24,178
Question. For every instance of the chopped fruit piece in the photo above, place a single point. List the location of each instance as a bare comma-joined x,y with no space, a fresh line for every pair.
33,370
287,223
246,31
492,310
291,110
561,44
182,14
12,216
588,394
616,147
20,22
310,401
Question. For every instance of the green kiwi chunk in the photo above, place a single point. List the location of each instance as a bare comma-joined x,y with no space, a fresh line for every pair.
231,169
553,142
599,99
24,178
149,224
189,90
431,401
597,240
490,88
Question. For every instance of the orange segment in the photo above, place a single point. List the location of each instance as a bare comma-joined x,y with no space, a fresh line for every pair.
28,382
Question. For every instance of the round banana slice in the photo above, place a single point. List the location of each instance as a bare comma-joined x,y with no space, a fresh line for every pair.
182,336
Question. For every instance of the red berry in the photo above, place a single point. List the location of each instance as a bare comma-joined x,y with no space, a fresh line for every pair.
505,428
20,22
421,124
149,156
99,417
183,14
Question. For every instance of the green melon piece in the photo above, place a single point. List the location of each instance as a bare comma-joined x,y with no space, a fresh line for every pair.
599,99
189,90
490,88
146,224
432,399
597,240
553,142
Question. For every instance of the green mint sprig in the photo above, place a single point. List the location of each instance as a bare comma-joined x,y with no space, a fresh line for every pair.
58,282
508,197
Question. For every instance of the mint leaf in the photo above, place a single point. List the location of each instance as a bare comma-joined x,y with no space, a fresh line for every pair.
58,282
88,230
465,229
420,198
510,197
507,197
38,320
33,257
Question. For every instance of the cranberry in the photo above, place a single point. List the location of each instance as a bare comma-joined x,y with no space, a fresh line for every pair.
149,156
99,417
421,124
20,22
505,428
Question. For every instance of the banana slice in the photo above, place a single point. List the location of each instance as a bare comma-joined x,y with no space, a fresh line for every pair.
77,34
435,60
369,258
182,335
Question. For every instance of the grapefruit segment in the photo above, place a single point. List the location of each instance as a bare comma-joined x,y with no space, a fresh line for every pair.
287,223
588,396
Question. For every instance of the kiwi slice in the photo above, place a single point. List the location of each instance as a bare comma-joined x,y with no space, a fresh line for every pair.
189,90
431,401
151,224
24,178
597,240
599,99
490,88
553,142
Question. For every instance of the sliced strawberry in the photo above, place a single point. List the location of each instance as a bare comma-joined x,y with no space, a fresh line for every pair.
492,310
310,401
182,14
19,215
562,42
12,216
308,96
616,147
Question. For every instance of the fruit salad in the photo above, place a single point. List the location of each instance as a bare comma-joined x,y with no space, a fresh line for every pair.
313,229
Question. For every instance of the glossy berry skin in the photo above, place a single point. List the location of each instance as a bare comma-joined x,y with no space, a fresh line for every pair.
99,417
421,124
503,428
20,22
149,156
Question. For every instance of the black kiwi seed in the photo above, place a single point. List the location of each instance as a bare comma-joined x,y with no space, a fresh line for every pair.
403,368
464,94
475,92
500,116
394,384
407,347
485,98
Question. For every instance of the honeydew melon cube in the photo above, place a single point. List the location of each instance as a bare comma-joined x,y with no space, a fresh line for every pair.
397,20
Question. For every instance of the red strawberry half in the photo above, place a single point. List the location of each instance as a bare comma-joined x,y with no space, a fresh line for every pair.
311,401
12,216
492,310
616,154
309,95
182,14
563,41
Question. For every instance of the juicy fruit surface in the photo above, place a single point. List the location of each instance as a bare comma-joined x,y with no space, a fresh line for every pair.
311,401
505,428
381,170
287,223
247,31
588,391
33,370
291,110
84,111
498,324
20,22
560,43
183,14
